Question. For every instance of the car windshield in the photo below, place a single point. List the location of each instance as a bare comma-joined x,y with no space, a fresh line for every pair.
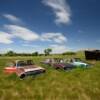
21,63
25,63
29,62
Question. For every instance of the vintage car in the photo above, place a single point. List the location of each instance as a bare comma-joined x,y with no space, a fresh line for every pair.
47,61
24,68
78,62
59,63
65,66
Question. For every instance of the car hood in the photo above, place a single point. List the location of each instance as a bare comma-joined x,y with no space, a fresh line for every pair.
80,63
30,68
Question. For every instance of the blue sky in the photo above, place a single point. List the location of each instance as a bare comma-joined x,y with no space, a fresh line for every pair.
33,25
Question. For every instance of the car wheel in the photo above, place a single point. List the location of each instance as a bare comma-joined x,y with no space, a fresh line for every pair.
68,69
44,71
22,76
56,67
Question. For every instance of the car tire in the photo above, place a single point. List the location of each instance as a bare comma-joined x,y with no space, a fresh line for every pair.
44,71
66,68
22,76
56,68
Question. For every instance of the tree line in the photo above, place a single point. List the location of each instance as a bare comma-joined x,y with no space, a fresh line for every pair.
12,53
47,52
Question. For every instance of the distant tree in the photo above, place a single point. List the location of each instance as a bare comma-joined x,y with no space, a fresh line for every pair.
47,51
10,53
69,53
41,54
35,54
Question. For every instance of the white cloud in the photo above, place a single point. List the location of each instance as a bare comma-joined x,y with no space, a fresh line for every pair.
5,38
28,35
61,9
55,37
58,48
31,45
11,17
22,32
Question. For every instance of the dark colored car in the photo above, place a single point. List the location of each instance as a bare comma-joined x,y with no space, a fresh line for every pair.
59,63
65,66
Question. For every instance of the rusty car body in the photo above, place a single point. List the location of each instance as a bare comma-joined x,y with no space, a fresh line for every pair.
24,68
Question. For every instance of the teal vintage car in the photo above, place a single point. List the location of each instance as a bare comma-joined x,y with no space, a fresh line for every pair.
78,62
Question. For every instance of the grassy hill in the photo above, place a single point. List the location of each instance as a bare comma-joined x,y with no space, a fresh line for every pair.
78,84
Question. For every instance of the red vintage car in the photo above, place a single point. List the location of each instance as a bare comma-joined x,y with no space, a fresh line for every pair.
24,68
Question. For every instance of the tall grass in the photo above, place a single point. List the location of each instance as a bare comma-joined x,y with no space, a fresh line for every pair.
78,84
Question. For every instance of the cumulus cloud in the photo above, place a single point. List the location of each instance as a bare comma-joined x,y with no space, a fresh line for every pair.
22,32
30,45
61,10
28,35
11,17
58,48
5,38
55,37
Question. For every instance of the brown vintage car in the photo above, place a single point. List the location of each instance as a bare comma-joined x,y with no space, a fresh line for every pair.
24,68
59,63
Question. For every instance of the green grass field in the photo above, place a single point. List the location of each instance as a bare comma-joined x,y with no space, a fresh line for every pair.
78,84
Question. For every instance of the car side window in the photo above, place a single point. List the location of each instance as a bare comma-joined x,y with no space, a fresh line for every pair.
21,63
29,62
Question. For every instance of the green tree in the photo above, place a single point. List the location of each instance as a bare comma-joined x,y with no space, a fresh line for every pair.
47,51
10,53
35,54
